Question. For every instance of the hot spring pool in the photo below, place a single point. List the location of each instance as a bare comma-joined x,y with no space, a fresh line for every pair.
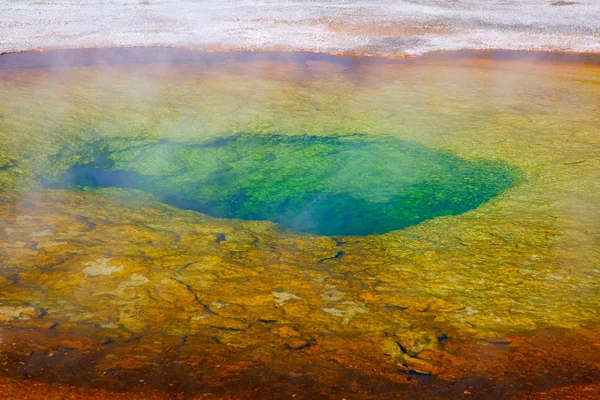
274,225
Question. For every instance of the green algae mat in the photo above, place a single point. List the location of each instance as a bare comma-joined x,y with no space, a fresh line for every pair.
246,228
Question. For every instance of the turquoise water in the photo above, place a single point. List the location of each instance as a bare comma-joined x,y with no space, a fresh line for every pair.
341,185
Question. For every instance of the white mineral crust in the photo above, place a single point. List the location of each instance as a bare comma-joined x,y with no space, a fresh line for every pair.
385,27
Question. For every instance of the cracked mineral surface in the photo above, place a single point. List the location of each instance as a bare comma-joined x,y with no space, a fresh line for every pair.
107,288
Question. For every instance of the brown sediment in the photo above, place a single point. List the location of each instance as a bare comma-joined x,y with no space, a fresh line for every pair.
565,3
544,364
395,29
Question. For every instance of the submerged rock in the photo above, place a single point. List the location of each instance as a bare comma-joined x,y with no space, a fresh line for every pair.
100,267
283,297
8,313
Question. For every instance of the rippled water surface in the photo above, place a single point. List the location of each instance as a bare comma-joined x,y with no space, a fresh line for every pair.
278,225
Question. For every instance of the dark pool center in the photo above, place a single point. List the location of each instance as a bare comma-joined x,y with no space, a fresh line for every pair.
338,185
